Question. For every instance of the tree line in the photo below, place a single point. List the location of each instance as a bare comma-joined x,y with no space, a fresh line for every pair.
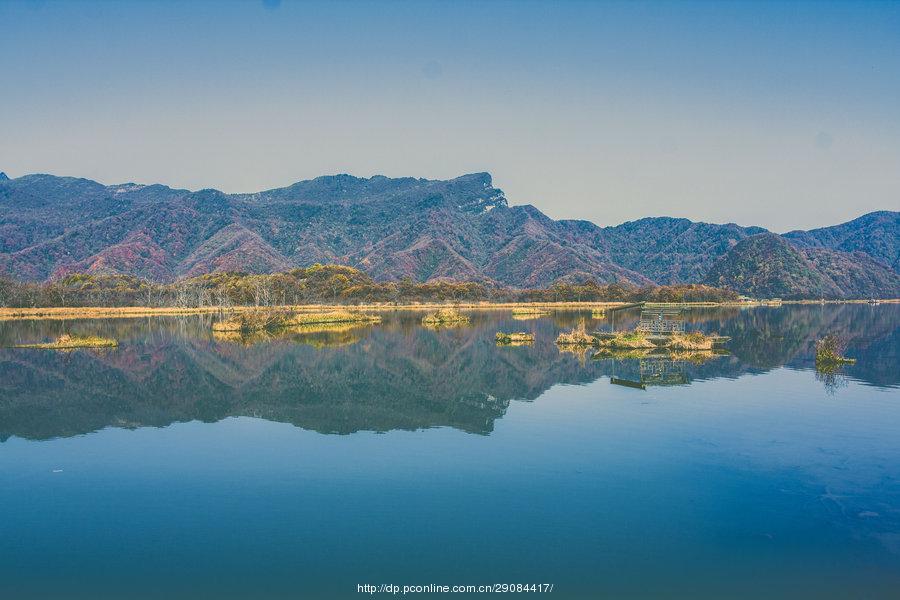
334,284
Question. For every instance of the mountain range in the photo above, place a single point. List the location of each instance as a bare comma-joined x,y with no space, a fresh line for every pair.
459,229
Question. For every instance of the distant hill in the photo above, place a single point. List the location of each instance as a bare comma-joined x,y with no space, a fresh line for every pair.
876,234
459,229
768,265
671,250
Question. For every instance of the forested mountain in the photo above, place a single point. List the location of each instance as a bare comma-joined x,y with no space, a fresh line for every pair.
877,234
767,265
460,229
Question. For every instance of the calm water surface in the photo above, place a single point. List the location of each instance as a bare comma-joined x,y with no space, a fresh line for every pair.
303,465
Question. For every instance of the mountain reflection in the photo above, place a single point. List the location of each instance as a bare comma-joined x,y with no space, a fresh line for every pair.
397,375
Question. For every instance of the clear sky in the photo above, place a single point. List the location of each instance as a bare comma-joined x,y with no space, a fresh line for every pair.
785,115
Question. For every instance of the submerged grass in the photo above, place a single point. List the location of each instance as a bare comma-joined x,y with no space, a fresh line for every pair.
70,342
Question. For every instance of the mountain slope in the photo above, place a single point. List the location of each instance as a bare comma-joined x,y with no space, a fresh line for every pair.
462,229
767,265
671,250
876,234
393,228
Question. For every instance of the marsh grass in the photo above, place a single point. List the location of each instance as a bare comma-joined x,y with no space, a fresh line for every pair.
268,320
445,316
323,335
577,337
514,339
529,312
628,339
71,342
691,341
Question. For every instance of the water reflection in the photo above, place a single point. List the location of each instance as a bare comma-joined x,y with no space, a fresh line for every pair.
641,367
397,375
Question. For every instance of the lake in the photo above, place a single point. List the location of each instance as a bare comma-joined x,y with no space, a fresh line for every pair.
304,465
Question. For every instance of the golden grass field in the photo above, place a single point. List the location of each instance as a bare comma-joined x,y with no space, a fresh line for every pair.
130,312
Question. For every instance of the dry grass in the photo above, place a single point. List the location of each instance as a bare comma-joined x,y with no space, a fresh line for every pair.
445,316
98,312
127,312
130,312
629,340
264,320
324,335
514,339
691,341
530,311
70,342
577,337
331,318
258,320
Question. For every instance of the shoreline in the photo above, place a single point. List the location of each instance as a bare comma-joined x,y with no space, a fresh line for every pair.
132,312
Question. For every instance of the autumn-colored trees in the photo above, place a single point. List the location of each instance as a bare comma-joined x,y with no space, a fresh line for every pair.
333,284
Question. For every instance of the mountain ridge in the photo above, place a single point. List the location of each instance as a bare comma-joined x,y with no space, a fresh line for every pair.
392,228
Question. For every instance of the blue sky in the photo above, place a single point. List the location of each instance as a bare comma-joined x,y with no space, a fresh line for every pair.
785,115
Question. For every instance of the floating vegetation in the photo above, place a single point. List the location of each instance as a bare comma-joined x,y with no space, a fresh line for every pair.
529,312
514,339
445,317
257,320
578,337
70,342
331,318
598,313
829,360
266,320
323,335
626,339
830,354
695,341
691,341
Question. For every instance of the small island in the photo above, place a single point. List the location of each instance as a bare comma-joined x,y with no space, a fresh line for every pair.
264,320
444,317
829,353
71,342
514,339
578,337
529,312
